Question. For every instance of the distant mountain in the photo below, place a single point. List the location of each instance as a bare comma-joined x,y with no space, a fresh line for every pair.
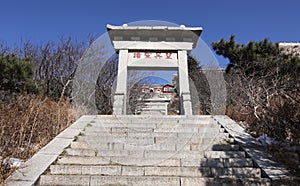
153,80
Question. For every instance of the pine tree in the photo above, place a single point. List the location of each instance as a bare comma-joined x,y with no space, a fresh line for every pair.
16,75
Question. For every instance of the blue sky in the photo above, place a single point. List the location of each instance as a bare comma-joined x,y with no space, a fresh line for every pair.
41,20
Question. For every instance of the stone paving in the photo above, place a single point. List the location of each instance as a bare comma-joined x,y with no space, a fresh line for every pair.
148,150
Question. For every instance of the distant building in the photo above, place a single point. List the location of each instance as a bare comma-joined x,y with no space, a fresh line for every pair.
168,89
157,88
290,48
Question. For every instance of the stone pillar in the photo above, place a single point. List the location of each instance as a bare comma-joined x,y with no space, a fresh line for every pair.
119,106
184,89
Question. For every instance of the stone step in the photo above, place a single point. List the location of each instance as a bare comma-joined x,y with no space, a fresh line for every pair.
144,152
217,162
209,134
184,162
208,140
205,145
190,181
224,154
202,172
156,119
80,145
86,180
136,181
109,170
192,139
129,161
65,180
198,124
148,181
176,128
85,160
134,153
193,154
80,152
154,124
73,160
127,134
122,146
124,124
225,147
100,141
188,162
86,169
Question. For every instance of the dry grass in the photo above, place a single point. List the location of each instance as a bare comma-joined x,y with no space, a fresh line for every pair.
28,124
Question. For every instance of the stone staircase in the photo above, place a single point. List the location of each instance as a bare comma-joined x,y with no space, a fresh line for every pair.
145,150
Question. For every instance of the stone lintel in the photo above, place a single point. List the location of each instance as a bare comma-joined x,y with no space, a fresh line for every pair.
145,45
153,64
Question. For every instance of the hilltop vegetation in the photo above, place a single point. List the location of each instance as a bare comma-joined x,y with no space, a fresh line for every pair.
34,97
263,87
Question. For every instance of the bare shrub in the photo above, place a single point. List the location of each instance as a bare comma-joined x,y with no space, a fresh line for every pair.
29,123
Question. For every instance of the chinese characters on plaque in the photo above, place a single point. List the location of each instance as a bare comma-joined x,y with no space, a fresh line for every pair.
153,55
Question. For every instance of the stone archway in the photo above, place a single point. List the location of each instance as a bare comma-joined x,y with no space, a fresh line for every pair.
153,48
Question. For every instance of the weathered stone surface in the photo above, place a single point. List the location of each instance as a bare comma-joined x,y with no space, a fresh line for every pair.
153,134
98,129
112,139
69,133
65,180
133,171
176,129
134,181
212,162
101,170
177,171
225,181
224,154
32,169
81,152
145,161
151,147
65,169
225,147
102,146
132,129
80,145
245,171
56,146
236,172
122,153
96,134
74,160
124,125
238,162
191,181
20,183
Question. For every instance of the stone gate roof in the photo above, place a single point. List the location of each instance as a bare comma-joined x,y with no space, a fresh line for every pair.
154,33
